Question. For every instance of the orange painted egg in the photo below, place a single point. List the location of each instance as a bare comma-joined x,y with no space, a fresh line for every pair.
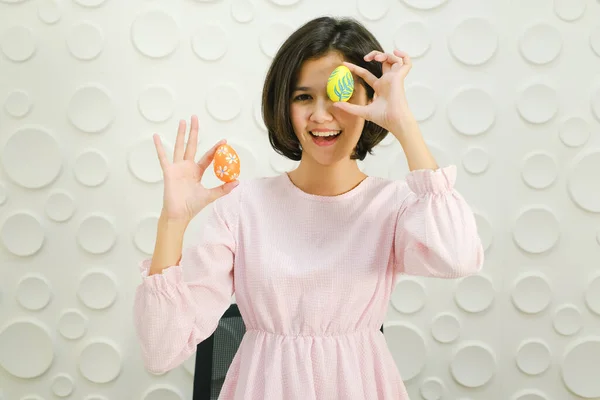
226,163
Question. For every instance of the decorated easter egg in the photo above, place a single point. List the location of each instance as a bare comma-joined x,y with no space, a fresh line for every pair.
226,163
340,84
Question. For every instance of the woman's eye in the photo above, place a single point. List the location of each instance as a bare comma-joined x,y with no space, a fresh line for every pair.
302,97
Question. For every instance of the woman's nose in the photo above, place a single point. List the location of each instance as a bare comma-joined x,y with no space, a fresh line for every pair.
322,111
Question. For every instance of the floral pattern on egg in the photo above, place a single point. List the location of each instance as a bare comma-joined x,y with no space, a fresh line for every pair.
226,163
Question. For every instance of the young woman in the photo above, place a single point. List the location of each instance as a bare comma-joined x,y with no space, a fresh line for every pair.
312,255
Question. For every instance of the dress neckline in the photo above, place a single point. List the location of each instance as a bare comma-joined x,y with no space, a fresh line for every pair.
323,198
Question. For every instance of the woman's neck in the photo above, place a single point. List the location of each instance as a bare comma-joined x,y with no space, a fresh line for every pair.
327,180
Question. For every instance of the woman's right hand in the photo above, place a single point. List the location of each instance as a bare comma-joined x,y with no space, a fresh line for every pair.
184,196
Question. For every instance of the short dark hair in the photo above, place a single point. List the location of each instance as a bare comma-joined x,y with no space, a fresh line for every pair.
313,40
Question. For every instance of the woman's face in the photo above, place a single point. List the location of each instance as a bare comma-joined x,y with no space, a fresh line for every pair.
327,135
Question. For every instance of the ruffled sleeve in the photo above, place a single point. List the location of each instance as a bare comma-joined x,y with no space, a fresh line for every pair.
182,306
436,234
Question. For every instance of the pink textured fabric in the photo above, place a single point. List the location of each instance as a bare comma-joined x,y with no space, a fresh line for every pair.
312,277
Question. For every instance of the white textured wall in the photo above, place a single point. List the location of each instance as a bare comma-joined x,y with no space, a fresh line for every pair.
507,89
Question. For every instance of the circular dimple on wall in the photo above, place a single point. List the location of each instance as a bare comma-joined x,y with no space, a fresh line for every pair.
62,385
143,160
97,290
569,10
388,140
595,103
30,397
424,4
408,296
533,357
91,168
258,115
592,295
422,101
536,230
537,103
474,41
49,11
373,10
145,234
242,11
96,234
162,392
156,103
4,194
85,41
32,157
91,109
100,362
155,34
26,349
72,324
33,292
539,170
475,160
567,320
581,369
471,111
529,43
474,293
281,164
18,43
224,102
60,206
595,41
413,38
272,37
574,131
407,347
484,230
529,394
473,365
531,294
432,389
90,3
445,328
284,3
583,183
190,365
22,234
209,42
18,103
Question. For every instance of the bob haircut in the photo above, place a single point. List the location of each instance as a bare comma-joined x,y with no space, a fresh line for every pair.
313,40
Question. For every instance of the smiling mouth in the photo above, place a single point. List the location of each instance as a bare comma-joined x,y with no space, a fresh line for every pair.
330,135
325,138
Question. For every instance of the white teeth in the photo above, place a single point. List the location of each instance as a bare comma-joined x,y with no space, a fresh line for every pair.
324,134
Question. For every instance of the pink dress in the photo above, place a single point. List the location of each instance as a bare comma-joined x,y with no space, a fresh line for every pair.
312,277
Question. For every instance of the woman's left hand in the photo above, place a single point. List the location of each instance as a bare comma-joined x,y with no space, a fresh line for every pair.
389,108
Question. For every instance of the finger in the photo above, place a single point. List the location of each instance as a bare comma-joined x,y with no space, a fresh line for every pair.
160,151
362,72
222,190
406,60
208,157
383,57
178,152
369,56
354,109
192,143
